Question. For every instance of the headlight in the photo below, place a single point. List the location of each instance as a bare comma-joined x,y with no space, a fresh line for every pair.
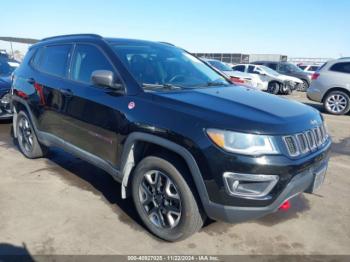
247,144
6,99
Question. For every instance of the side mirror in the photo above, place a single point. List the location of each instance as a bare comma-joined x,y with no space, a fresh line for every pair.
105,78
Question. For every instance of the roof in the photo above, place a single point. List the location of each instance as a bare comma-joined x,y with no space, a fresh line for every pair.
95,37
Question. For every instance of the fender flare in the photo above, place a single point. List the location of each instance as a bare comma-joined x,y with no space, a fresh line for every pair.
127,161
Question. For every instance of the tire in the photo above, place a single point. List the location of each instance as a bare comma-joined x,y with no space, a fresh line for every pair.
285,90
155,206
273,88
27,139
304,86
337,103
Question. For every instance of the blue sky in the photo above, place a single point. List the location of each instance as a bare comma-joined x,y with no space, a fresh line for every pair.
313,28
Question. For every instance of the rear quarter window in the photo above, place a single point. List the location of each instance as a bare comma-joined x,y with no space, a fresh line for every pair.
343,67
52,60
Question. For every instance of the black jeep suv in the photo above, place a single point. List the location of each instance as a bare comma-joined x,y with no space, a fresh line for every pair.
183,141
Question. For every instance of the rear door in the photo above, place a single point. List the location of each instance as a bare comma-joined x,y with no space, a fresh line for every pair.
51,85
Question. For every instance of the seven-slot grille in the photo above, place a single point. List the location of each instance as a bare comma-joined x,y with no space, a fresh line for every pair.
303,143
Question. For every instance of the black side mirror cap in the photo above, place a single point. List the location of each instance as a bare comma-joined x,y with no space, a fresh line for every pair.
105,78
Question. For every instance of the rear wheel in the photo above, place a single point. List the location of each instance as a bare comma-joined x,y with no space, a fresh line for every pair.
273,88
26,137
164,199
337,103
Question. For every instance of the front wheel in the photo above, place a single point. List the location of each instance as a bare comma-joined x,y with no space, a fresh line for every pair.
164,199
337,103
273,88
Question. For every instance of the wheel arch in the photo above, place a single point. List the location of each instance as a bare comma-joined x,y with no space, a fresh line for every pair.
139,145
19,105
335,89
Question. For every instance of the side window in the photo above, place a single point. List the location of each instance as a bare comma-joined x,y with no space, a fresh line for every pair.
88,58
341,67
272,66
240,68
52,59
251,69
35,61
313,68
283,68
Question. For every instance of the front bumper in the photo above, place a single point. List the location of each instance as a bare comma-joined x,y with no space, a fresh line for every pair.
295,176
300,183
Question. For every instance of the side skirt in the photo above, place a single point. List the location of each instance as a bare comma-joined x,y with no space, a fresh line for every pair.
51,140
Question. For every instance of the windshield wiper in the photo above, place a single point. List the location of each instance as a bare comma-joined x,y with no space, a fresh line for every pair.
161,86
213,83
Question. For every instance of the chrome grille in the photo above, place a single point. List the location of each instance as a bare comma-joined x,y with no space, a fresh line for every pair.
303,143
291,145
304,148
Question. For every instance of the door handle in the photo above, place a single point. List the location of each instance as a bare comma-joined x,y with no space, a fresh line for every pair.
31,81
66,92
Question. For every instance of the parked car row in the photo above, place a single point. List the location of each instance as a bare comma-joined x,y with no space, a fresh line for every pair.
330,82
258,76
268,79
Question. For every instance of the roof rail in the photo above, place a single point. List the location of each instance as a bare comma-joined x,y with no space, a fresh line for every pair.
166,43
62,36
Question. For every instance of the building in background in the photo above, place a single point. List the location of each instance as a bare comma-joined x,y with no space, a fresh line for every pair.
231,58
267,57
308,60
239,58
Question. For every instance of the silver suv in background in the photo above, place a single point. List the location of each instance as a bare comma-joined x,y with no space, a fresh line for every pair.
331,86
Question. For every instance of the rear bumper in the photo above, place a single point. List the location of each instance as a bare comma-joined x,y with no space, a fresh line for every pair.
300,183
314,94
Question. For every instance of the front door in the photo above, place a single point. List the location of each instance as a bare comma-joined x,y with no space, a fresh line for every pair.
95,119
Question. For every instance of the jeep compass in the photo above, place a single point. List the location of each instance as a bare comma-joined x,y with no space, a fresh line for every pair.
183,141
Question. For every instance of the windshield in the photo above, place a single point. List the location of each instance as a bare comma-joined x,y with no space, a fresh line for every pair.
288,67
269,71
6,69
162,65
219,65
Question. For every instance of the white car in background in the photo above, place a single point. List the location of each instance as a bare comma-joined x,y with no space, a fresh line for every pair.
268,79
239,78
309,68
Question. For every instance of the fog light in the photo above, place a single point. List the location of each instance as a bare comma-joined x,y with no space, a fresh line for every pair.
249,185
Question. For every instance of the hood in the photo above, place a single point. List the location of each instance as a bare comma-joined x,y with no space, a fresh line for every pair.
290,78
242,109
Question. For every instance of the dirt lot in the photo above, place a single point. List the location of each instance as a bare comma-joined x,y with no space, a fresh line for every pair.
62,205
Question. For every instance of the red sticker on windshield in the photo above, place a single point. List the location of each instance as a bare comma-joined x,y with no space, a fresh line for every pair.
131,105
